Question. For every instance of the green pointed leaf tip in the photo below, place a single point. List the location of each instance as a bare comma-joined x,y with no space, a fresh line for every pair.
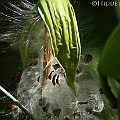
60,20
109,64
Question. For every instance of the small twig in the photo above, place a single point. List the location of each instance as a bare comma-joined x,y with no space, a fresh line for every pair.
17,103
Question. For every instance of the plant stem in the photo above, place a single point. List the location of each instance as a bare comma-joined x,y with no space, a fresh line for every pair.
17,103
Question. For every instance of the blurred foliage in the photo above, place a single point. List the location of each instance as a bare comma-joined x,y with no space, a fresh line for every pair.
117,8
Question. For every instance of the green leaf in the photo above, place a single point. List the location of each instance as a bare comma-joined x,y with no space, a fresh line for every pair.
60,19
109,64
109,67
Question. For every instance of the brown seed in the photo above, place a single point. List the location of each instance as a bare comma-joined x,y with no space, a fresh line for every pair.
56,113
87,58
11,106
53,80
81,103
78,70
50,75
101,91
56,66
76,116
57,80
38,79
